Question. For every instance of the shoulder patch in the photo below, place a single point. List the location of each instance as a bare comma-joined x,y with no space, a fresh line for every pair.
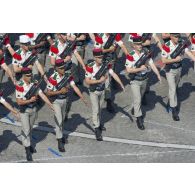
166,48
54,49
130,58
17,55
19,88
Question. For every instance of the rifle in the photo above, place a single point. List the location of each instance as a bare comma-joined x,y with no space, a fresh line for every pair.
70,46
34,88
2,38
180,48
110,41
40,37
30,60
146,36
142,60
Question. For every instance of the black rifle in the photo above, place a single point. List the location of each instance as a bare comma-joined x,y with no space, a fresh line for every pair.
110,40
34,89
142,60
69,48
180,48
41,37
64,81
146,36
30,60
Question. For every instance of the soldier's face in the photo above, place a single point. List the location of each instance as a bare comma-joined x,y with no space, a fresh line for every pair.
25,47
174,39
61,71
98,60
138,47
27,78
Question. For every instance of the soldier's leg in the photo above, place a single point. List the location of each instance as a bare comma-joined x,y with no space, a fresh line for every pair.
101,102
108,95
136,92
32,118
25,135
172,88
2,73
171,79
94,97
58,117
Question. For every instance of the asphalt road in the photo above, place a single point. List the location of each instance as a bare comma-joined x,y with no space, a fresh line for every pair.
163,140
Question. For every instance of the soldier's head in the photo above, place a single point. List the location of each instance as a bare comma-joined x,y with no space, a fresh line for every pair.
137,43
175,37
60,66
26,74
24,42
98,55
61,37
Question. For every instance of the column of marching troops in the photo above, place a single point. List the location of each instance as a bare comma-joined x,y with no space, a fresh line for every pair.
67,53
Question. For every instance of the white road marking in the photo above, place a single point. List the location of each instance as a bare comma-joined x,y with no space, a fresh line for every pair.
112,139
100,155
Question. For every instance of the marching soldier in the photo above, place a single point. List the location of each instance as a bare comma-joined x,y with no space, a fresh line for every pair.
60,98
138,84
28,108
21,55
100,41
173,69
97,90
55,50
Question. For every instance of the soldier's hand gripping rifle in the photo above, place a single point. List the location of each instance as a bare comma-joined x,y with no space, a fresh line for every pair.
143,59
34,89
180,48
41,37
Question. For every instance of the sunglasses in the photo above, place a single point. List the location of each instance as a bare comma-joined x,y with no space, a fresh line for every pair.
28,75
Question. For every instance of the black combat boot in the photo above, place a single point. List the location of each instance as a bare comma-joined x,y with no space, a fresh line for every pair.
102,127
132,111
98,134
61,145
140,124
33,150
64,140
175,114
28,154
109,106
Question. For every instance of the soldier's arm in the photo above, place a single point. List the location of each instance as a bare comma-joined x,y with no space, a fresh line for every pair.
170,61
45,99
42,43
146,43
124,48
190,55
156,38
52,60
41,70
22,102
8,71
135,70
10,108
117,79
53,93
111,49
78,92
155,70
81,38
92,36
89,81
79,58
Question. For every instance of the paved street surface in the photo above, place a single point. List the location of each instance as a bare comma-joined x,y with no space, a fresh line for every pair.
163,140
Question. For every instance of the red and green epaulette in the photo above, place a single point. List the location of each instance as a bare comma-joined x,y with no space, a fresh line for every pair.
89,67
19,86
17,55
166,46
54,48
53,79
